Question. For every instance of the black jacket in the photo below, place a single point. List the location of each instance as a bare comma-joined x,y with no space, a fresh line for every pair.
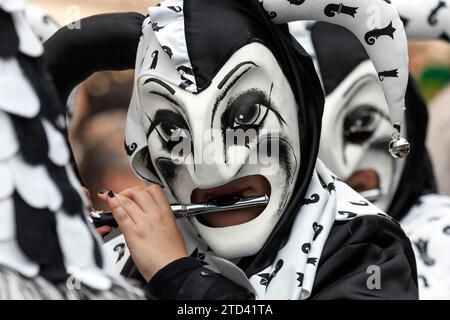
352,247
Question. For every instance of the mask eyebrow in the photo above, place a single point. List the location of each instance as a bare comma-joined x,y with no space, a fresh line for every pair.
356,85
161,83
170,99
233,71
226,79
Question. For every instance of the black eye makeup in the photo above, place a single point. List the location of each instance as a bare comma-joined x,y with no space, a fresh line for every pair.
249,110
361,123
170,126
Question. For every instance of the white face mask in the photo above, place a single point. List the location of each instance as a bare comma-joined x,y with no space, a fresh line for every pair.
355,132
249,92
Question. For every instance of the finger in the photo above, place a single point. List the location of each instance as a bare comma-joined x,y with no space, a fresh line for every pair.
120,214
123,208
142,198
159,196
133,211
103,194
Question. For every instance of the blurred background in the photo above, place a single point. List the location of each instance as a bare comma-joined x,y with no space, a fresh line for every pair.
101,103
100,106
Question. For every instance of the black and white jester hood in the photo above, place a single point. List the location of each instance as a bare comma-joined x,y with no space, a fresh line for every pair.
215,65
48,248
353,95
425,19
191,57
356,125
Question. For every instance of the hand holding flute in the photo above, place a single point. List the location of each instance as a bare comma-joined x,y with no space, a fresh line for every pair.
149,226
148,222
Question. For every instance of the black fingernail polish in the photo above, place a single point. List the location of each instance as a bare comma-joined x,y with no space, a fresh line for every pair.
111,194
103,191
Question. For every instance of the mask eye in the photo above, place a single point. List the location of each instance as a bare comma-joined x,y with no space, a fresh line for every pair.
247,111
360,124
171,132
248,116
170,126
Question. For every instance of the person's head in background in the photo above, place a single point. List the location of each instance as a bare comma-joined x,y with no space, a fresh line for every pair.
97,133
356,127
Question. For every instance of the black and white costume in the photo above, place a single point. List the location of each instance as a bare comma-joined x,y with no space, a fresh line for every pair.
215,65
48,248
356,126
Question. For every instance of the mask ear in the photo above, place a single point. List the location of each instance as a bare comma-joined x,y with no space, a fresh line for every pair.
136,144
105,42
378,26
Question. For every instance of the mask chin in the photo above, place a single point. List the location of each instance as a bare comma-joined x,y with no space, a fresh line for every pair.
247,239
240,240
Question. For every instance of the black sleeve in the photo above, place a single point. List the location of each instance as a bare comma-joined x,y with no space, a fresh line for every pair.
352,254
188,279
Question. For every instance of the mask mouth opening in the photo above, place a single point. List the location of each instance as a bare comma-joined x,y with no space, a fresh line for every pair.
364,180
230,193
367,183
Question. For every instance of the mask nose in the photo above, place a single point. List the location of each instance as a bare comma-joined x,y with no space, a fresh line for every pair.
216,163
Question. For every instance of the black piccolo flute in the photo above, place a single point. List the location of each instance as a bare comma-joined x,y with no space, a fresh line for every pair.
100,218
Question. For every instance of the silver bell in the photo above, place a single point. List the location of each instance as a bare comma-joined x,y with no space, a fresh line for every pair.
399,148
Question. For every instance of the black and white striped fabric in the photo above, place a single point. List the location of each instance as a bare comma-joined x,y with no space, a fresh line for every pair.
48,248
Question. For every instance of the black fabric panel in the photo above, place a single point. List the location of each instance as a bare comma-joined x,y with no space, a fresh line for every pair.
9,44
355,245
97,251
72,202
32,139
215,29
338,53
51,106
30,132
104,42
38,240
51,109
187,279
417,177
